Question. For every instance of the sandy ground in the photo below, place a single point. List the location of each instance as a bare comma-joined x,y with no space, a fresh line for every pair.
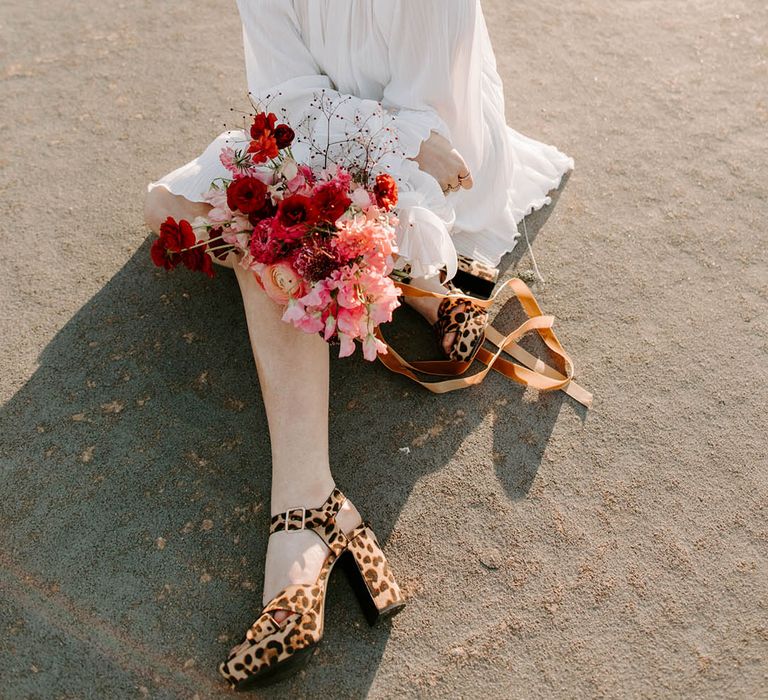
548,552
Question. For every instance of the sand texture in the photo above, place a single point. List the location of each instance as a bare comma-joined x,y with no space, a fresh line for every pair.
547,551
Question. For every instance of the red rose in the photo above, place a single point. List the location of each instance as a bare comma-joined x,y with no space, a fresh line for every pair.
331,201
296,211
385,191
263,148
284,135
263,124
247,194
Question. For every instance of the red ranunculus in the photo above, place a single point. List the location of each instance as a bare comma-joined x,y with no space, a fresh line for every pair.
247,194
174,236
263,144
263,148
385,191
330,201
267,211
296,211
162,256
263,124
284,135
198,260
178,235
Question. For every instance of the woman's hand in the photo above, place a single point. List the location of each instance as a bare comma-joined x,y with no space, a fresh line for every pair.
443,162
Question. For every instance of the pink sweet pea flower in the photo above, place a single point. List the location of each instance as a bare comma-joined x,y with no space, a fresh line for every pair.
294,311
311,322
372,346
330,327
221,213
318,295
352,321
347,345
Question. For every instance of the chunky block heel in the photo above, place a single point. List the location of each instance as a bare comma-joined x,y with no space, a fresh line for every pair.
272,650
370,575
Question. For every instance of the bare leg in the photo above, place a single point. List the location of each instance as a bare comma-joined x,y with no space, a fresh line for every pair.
293,371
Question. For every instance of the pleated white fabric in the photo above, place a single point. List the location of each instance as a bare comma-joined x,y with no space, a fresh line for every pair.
431,66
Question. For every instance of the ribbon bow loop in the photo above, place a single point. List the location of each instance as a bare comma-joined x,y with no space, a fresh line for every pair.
531,371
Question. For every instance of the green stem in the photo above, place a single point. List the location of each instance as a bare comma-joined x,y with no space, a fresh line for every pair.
202,243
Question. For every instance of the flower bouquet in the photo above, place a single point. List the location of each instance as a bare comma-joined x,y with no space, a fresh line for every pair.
319,241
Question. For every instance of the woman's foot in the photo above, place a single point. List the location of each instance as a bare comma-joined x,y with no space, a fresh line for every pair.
277,645
427,306
296,556
459,313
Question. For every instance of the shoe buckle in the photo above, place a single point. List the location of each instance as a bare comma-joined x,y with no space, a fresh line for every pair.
288,517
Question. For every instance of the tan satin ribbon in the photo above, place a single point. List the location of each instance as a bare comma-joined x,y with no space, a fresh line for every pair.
531,372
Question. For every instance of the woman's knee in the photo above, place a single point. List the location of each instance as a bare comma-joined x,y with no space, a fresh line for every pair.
158,206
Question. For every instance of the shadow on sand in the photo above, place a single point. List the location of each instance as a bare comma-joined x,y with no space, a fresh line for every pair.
135,465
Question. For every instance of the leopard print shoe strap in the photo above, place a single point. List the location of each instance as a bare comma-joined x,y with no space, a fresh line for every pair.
297,598
322,520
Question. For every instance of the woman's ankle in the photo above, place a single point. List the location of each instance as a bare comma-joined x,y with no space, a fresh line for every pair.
301,495
426,306
348,517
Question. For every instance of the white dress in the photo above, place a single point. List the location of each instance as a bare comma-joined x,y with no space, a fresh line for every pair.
431,65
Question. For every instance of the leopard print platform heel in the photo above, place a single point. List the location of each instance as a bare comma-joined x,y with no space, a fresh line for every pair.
272,650
370,576
458,313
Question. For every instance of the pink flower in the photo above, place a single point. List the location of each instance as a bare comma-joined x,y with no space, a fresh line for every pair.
343,178
318,295
307,320
352,321
311,323
330,326
372,346
338,175
302,318
221,213
347,345
367,237
348,295
306,171
298,185
361,198
281,282
239,162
